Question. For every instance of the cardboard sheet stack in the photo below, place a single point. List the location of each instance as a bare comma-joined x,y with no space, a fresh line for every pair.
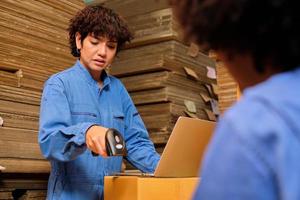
229,91
165,76
33,45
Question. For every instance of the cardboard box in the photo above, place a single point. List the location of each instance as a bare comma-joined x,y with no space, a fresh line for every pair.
148,188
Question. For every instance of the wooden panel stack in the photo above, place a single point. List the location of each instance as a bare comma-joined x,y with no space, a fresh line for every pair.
157,79
165,77
229,91
33,45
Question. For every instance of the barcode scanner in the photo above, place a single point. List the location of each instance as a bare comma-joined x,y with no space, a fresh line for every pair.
114,143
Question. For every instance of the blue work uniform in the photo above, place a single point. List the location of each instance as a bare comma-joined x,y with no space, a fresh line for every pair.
255,152
72,101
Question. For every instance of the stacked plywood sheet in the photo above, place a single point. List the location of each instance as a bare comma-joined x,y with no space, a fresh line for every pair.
154,27
159,99
34,195
151,21
33,45
6,194
158,81
129,8
33,39
229,90
165,77
228,87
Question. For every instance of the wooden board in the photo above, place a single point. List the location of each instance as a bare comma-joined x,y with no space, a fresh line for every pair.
20,95
12,149
20,152
153,27
19,108
228,88
169,55
19,121
34,38
162,79
161,108
17,165
9,77
30,182
34,195
132,7
169,94
159,138
19,143
33,42
18,135
6,194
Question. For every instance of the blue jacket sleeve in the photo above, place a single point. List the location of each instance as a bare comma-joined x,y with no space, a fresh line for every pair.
58,138
141,151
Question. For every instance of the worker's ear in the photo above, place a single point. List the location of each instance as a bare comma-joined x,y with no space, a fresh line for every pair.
78,40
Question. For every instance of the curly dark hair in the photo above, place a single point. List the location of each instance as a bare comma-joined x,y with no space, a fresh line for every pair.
100,21
267,29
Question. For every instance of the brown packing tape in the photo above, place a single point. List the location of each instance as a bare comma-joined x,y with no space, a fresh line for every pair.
191,73
193,50
211,116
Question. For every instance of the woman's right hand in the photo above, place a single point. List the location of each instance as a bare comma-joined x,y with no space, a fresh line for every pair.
95,139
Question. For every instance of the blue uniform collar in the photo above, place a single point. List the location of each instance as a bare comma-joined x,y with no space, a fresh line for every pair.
104,76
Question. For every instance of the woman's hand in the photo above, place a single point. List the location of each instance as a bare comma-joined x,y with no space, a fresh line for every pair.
95,140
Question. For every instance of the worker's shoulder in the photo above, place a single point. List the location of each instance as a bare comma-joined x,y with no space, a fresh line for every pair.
62,76
115,81
256,118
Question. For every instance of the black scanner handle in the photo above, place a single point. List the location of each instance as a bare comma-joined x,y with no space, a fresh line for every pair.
114,143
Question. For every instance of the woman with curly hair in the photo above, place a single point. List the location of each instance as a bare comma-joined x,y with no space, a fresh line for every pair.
254,153
80,104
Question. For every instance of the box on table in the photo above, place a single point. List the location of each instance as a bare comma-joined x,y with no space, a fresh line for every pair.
148,188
